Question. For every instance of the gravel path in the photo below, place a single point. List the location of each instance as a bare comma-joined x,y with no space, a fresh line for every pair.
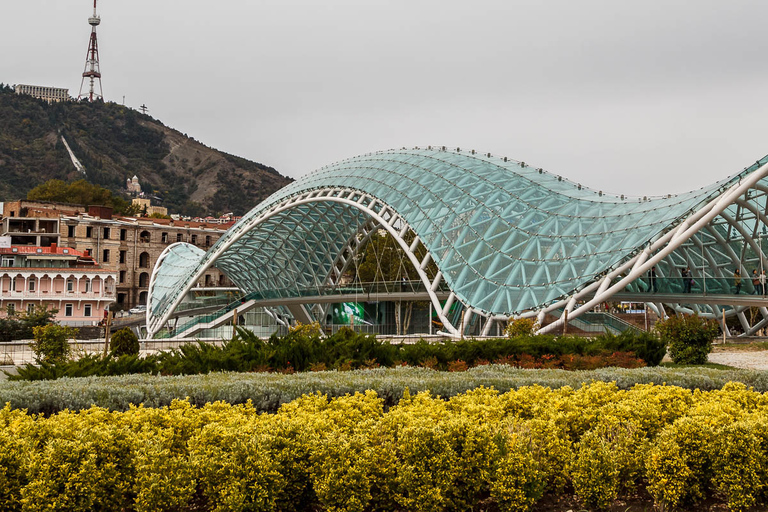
757,360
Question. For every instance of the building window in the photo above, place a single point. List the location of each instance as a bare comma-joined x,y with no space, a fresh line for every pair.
106,234
68,309
143,280
13,284
31,285
123,234
145,237
179,238
11,308
87,310
207,241
70,231
144,260
122,277
123,256
30,308
89,232
164,238
105,256
8,261
88,284
70,285
194,239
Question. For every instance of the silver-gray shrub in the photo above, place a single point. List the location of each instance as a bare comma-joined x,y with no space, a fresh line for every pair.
267,391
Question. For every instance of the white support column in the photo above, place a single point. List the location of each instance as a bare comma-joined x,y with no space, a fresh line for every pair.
425,261
449,303
604,284
436,282
487,328
743,320
759,325
568,308
642,258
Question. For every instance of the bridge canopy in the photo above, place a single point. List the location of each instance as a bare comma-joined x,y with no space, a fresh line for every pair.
508,239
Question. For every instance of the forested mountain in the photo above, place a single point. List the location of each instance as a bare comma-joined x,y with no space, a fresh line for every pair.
114,142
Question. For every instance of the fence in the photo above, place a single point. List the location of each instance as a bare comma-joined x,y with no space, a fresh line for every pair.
20,352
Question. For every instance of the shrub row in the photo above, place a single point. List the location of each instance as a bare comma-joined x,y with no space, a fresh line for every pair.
305,349
478,450
267,391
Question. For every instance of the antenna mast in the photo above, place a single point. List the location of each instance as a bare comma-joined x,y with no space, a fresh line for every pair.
92,70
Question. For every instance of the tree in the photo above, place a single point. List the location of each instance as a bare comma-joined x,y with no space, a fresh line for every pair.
19,325
385,261
77,192
124,342
51,343
522,327
689,338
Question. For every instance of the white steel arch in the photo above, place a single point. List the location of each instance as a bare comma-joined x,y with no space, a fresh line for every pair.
384,217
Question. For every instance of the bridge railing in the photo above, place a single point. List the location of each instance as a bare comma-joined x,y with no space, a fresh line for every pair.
598,322
697,285
364,290
207,301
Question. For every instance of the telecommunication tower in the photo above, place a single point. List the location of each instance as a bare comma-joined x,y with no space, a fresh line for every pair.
92,70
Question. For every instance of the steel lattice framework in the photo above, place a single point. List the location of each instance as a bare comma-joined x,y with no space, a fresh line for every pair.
509,240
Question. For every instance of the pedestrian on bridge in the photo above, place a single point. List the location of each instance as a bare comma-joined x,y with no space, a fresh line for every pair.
737,280
687,281
762,282
756,282
652,279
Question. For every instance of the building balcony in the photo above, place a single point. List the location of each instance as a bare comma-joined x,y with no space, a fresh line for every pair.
58,295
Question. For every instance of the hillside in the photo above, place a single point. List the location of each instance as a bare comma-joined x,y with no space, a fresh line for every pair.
113,143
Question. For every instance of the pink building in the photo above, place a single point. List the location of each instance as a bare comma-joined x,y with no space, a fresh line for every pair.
56,277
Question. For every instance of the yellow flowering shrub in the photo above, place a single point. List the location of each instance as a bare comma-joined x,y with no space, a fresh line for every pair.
477,450
427,466
164,476
740,466
15,447
518,482
679,464
83,461
233,468
607,461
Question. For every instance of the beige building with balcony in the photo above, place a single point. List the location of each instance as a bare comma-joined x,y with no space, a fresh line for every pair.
129,246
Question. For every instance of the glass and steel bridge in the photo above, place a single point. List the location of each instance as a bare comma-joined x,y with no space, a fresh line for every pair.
508,240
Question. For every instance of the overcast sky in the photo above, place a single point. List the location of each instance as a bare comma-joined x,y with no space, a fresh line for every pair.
629,97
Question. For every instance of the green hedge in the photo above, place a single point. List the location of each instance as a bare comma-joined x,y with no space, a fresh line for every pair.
594,447
267,391
304,350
